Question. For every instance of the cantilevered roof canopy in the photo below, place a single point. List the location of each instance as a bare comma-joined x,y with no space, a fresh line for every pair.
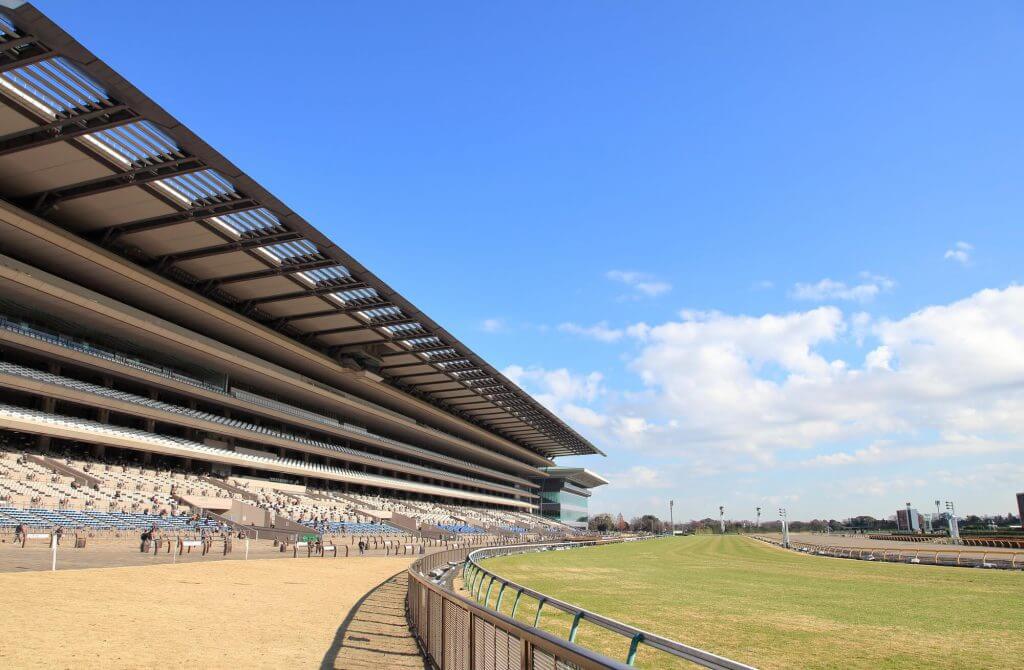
83,148
579,476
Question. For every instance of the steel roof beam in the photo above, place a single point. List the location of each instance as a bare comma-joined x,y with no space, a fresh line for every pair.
332,312
321,291
193,215
238,245
43,201
397,366
66,128
33,54
16,41
283,271
370,326
404,378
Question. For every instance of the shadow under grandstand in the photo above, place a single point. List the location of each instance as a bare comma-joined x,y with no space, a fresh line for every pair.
375,633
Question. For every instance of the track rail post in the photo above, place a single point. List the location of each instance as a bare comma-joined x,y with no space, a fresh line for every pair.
634,646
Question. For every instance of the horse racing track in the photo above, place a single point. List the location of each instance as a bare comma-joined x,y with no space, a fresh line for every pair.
772,608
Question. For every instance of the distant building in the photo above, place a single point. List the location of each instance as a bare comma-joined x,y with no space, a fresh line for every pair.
1020,508
912,524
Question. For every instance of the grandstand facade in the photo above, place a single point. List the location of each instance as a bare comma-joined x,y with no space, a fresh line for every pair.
174,338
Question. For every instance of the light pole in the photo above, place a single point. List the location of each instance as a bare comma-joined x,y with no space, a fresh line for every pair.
785,527
721,518
671,518
954,525
758,525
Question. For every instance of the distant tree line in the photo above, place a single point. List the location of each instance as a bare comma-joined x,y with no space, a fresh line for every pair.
649,523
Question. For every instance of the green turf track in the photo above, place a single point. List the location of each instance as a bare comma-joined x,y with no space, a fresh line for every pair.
776,609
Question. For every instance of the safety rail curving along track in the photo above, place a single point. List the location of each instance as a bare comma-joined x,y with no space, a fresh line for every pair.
960,556
464,633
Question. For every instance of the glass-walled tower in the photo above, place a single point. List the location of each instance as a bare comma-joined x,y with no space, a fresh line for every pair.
564,494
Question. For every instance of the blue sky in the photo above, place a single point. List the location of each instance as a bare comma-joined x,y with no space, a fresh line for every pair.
761,255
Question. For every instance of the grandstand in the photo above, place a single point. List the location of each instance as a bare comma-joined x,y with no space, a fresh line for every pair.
179,348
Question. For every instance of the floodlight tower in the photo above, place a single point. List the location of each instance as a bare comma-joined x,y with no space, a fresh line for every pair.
758,525
671,518
721,518
785,527
954,525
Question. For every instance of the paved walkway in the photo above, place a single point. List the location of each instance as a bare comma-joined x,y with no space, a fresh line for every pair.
375,635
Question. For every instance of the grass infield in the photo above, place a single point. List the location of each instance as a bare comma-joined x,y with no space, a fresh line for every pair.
771,608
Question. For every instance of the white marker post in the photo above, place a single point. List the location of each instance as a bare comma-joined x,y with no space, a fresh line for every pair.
247,548
53,549
785,527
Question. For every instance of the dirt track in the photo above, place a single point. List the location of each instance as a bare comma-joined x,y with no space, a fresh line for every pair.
226,614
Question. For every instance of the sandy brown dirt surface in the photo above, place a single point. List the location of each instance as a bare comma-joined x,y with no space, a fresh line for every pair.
225,614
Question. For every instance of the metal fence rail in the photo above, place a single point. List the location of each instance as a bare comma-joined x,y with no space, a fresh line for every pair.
456,633
460,633
975,557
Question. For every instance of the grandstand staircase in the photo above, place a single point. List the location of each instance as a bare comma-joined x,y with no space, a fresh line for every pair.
433,532
321,496
230,488
60,468
406,523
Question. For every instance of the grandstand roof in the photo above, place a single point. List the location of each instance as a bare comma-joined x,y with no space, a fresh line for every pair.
579,476
83,148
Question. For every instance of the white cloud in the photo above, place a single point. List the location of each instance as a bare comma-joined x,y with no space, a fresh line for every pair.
643,284
639,477
583,416
718,394
879,359
492,325
763,285
860,326
556,388
879,487
959,253
829,289
888,451
741,393
599,331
